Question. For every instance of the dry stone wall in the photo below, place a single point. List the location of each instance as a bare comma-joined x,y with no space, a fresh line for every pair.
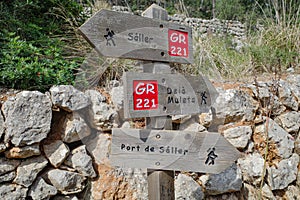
203,27
56,145
206,27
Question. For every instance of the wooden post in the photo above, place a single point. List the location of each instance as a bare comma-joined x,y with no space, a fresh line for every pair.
160,182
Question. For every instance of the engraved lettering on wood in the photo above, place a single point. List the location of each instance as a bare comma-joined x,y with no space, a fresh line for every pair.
172,150
177,94
123,35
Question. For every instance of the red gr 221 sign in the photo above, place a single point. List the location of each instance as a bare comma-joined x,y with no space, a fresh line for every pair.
178,43
145,95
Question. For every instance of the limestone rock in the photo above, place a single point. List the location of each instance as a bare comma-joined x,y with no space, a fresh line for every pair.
249,192
181,118
2,127
12,192
192,125
187,188
205,119
297,145
69,197
56,152
252,166
66,182
234,105
117,183
294,81
290,121
68,98
41,190
3,147
137,179
96,97
117,96
28,170
126,124
23,152
286,97
28,118
75,128
229,196
292,193
276,135
267,192
229,180
99,148
285,173
298,179
136,182
264,95
276,107
7,165
82,162
104,116
7,177
267,99
238,136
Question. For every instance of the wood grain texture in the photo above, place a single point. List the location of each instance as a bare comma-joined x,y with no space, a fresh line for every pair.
160,183
133,37
171,150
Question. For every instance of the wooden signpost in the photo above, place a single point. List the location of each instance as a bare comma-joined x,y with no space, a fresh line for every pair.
124,35
166,94
156,94
172,150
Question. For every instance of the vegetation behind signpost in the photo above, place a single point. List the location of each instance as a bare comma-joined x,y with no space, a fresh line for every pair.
40,45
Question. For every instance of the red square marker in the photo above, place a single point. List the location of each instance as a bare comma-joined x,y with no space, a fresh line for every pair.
178,43
145,95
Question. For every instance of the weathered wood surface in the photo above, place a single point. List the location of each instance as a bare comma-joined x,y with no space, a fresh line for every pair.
172,150
123,35
160,182
161,185
177,94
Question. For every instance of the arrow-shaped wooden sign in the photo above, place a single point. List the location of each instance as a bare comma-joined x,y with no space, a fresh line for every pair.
122,35
148,95
172,150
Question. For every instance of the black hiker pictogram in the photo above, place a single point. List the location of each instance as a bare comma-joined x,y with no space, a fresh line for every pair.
211,156
203,97
109,37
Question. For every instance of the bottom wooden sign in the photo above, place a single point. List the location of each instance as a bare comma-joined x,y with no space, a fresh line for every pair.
172,150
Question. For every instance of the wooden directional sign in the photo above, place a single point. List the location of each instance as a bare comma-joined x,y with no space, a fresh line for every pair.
172,150
123,35
149,95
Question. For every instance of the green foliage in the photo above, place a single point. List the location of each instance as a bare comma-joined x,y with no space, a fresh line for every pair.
233,9
25,66
39,46
33,19
217,58
34,37
275,48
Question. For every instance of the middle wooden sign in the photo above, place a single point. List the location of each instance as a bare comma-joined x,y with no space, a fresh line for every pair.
150,95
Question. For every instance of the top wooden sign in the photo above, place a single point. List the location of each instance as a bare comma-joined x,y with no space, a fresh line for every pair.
123,35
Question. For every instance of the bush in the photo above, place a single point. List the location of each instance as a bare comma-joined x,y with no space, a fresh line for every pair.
37,41
26,66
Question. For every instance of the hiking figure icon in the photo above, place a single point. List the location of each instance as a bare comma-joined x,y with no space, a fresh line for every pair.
211,156
109,37
203,97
